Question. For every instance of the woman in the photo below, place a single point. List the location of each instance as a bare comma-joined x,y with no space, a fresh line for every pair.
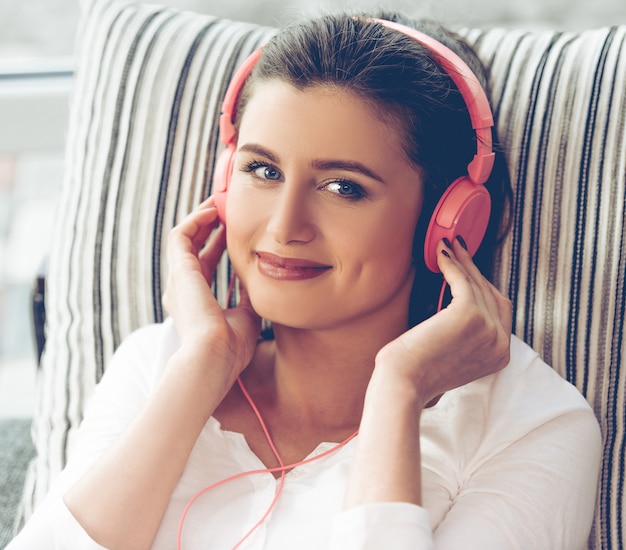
347,135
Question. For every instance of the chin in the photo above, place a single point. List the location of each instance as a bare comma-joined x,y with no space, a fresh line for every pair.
284,314
294,313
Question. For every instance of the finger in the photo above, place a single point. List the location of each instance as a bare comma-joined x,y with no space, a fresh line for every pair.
468,294
209,201
460,251
505,308
244,297
462,285
243,317
482,287
185,241
199,225
213,250
498,305
246,304
190,235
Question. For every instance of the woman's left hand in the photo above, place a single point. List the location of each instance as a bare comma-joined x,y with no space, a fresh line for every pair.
463,342
467,340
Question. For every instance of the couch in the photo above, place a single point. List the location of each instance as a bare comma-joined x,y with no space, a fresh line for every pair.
142,142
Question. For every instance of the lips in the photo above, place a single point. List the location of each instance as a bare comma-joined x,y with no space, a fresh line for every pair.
289,269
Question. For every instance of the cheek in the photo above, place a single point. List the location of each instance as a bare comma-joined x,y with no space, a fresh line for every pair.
393,233
242,218
237,204
382,251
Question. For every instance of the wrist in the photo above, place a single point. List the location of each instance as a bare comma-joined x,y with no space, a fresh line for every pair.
392,408
391,382
203,377
385,466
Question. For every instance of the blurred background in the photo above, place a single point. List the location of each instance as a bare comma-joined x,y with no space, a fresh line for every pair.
36,71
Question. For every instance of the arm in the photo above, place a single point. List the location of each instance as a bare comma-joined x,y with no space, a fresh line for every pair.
146,461
537,492
410,373
530,484
117,399
525,478
465,341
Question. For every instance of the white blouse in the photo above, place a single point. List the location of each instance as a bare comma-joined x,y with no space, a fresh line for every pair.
508,461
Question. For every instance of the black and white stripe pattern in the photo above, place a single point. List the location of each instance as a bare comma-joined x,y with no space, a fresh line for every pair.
141,147
140,154
560,102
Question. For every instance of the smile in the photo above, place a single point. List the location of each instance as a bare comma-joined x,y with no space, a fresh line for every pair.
288,269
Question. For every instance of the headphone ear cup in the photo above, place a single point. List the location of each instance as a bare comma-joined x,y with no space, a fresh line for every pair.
221,179
220,203
464,210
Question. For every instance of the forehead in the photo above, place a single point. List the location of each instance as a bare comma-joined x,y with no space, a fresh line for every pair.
323,116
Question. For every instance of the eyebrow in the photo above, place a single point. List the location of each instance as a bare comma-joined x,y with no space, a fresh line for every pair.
258,150
347,165
319,164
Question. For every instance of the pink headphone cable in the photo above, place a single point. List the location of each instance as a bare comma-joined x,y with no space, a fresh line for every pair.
441,295
282,469
266,432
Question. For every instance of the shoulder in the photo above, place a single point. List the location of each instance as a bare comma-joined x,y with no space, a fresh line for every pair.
153,336
527,385
524,442
157,339
532,385
143,354
526,397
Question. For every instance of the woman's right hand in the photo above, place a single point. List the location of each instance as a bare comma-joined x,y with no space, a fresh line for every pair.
223,337
148,457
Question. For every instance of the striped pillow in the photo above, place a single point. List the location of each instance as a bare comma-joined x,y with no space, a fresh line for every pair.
560,102
140,154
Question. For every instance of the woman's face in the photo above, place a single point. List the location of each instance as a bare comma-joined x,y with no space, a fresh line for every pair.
321,210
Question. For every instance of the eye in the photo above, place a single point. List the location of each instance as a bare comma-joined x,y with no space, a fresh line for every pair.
262,170
346,188
268,173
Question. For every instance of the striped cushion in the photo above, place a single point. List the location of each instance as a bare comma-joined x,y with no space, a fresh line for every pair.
560,102
140,153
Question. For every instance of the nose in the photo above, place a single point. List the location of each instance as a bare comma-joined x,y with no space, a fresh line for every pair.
290,218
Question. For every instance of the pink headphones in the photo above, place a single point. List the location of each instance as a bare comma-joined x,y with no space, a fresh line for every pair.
465,206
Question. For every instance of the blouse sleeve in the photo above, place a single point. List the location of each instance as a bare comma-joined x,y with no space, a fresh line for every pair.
117,399
538,492
515,466
396,525
52,526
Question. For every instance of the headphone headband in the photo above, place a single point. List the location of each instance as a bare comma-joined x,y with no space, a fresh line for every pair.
471,91
227,118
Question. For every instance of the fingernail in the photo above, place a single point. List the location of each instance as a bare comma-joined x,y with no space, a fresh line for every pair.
207,201
445,253
461,241
447,242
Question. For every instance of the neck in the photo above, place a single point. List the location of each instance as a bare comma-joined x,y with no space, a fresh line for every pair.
315,379
320,376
